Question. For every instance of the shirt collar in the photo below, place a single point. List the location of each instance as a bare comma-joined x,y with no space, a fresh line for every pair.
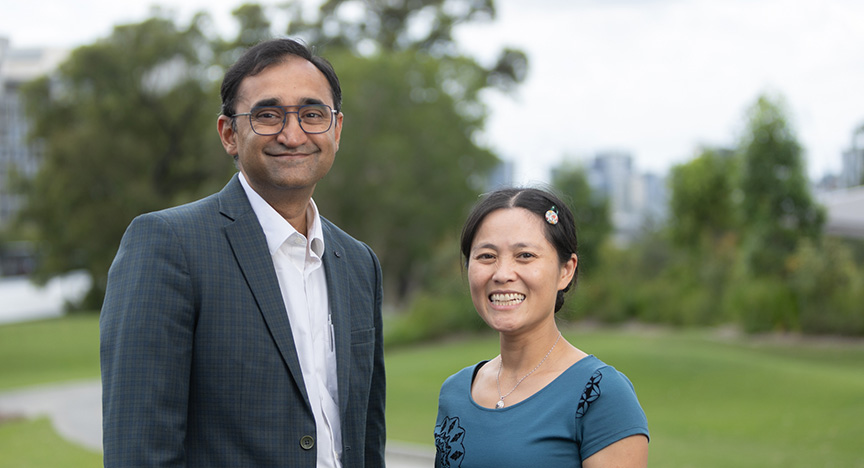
276,229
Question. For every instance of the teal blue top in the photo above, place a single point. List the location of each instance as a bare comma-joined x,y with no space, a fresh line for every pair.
588,407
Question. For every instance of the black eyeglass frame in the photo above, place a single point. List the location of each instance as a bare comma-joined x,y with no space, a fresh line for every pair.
333,113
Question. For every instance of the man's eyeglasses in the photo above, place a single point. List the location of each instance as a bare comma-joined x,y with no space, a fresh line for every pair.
270,120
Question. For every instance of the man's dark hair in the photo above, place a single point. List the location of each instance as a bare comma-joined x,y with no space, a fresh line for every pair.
265,54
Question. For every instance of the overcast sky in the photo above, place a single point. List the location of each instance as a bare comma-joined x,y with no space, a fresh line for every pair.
655,78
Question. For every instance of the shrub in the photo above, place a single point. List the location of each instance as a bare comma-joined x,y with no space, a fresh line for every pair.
761,304
829,285
434,314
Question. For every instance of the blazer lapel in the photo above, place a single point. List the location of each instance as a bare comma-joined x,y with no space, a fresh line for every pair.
337,274
250,250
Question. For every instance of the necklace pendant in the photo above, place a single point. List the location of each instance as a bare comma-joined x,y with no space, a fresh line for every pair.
500,404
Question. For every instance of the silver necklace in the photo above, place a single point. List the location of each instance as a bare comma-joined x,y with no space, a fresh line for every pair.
501,397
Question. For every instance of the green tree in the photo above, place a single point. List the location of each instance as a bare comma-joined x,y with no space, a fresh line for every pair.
777,209
390,24
254,26
702,204
128,124
703,240
591,210
129,128
829,285
372,27
402,177
408,168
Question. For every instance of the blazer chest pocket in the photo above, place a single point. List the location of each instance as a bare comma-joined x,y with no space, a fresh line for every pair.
362,337
362,360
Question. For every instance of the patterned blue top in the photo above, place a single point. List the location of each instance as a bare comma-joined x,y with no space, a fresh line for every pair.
588,407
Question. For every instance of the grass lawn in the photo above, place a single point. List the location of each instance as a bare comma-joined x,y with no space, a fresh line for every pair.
47,351
40,352
710,402
34,444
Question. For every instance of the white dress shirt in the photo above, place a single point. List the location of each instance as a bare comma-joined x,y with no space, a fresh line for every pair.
300,271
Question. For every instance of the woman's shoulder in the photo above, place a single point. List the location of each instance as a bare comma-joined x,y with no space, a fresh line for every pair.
465,375
607,407
584,368
590,371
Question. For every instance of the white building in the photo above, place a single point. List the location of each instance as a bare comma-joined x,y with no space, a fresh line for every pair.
853,161
845,212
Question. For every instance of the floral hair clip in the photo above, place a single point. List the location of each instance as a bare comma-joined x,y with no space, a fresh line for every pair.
552,215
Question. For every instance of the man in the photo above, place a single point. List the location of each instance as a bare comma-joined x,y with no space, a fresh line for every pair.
244,330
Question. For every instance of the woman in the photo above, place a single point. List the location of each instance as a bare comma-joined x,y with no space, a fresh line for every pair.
542,401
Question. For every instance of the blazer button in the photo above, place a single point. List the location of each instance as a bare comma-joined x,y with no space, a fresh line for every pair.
307,442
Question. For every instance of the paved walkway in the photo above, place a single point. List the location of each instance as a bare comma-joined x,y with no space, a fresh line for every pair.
75,410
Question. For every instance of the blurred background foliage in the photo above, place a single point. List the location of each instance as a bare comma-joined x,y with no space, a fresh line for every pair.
128,125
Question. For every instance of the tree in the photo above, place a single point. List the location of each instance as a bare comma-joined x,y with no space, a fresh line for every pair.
389,24
129,128
402,177
590,210
372,27
128,124
408,168
777,208
702,202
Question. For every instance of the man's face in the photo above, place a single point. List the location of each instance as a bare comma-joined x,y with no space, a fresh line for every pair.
292,159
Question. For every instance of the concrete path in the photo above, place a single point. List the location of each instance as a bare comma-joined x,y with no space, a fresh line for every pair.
75,410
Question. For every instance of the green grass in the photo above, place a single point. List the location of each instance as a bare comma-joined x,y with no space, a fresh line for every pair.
34,444
47,351
710,402
41,352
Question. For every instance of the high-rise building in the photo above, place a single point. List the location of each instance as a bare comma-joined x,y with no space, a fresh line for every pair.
853,161
635,199
501,175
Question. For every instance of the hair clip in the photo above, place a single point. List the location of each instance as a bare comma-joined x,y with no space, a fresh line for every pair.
552,216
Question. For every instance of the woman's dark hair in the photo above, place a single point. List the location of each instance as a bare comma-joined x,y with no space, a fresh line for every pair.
265,54
562,235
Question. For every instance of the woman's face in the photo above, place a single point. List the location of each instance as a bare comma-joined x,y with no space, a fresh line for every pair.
514,272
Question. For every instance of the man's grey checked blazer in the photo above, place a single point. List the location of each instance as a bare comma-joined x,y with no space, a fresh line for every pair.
198,361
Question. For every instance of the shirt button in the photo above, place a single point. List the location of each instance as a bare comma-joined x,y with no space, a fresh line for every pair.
307,442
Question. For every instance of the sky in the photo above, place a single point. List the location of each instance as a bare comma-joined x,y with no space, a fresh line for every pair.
657,79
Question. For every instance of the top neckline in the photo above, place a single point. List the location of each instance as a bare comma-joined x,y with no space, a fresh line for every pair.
589,357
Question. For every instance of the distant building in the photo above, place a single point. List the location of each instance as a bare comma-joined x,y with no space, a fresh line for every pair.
852,174
843,195
17,153
501,176
827,183
845,212
18,66
611,174
652,198
636,200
